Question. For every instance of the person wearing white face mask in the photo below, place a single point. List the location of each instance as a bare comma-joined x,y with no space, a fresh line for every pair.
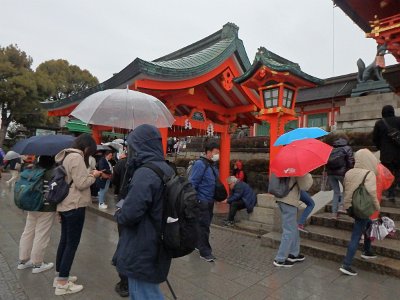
203,176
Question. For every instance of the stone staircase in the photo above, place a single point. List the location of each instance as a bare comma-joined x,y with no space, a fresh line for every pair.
328,238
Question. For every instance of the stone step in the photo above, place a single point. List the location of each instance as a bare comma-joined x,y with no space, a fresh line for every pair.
391,212
338,237
385,265
343,223
266,200
254,226
387,203
262,215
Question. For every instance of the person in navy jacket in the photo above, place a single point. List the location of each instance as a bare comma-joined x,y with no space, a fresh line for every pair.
140,255
203,176
242,196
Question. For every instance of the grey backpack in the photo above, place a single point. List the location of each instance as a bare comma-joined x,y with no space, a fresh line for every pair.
279,186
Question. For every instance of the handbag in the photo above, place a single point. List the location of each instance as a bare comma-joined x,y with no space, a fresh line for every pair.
393,133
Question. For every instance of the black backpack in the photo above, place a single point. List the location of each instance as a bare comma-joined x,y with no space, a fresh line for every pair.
279,186
180,214
58,188
337,159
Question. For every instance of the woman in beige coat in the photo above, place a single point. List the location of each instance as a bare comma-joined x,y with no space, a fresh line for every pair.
365,167
289,249
72,209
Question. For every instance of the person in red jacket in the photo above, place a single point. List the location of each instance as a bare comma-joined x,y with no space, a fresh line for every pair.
238,171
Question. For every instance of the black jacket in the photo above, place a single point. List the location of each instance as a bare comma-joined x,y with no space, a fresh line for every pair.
139,253
349,159
118,175
103,166
389,150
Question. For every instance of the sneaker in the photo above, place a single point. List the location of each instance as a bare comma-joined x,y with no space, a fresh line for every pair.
209,258
229,223
348,271
68,288
122,289
285,264
24,265
70,278
368,255
334,216
103,206
41,268
301,228
297,258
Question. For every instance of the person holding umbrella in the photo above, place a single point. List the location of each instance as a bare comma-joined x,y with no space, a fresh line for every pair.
37,231
290,168
72,209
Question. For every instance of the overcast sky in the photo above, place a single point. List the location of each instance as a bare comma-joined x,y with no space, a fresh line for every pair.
104,36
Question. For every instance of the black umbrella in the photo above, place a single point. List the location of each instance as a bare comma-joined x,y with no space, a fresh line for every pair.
44,144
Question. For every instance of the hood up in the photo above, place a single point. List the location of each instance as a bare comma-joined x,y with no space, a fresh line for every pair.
387,111
341,142
364,159
61,155
145,145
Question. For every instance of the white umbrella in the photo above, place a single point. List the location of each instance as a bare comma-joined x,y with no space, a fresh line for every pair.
11,155
117,147
123,108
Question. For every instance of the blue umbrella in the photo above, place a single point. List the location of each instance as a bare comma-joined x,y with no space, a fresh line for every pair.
300,134
44,144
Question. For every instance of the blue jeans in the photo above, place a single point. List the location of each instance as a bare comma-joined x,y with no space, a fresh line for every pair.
71,229
360,226
140,290
103,192
307,200
337,194
290,240
205,216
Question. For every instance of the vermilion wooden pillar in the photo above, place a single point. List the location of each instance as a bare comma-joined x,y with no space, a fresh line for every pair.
164,136
96,134
225,157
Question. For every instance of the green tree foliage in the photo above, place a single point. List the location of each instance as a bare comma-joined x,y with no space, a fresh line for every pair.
18,89
22,89
58,79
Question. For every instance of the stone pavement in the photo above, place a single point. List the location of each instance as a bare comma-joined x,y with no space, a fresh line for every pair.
243,269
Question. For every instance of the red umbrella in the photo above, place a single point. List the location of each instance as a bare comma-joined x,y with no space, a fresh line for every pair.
300,157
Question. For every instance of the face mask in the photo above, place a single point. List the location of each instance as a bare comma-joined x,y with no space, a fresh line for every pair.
215,157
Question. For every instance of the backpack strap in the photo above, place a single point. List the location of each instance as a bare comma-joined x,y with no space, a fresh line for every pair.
386,124
157,170
365,177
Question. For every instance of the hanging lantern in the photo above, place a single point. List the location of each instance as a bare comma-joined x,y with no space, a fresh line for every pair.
210,130
188,125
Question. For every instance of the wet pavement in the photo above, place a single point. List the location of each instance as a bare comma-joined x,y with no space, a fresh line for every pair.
243,269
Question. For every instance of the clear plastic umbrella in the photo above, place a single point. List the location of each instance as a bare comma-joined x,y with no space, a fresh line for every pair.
123,108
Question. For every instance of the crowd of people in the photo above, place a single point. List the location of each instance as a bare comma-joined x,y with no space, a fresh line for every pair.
140,259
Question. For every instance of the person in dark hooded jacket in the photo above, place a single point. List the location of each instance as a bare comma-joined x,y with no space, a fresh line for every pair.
139,254
242,196
389,157
344,161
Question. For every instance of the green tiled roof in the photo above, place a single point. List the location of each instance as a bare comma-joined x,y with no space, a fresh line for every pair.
192,61
275,62
78,126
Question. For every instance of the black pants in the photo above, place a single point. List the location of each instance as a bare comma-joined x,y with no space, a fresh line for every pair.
393,167
71,230
205,217
234,207
124,279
